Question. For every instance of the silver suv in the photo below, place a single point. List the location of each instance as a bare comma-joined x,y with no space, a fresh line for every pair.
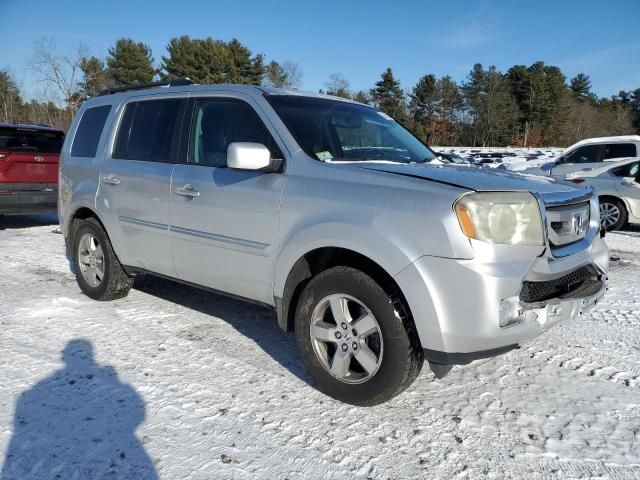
327,211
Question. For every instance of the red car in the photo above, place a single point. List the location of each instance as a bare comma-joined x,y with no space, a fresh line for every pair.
29,156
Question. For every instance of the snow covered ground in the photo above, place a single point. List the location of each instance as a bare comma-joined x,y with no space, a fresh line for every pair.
174,383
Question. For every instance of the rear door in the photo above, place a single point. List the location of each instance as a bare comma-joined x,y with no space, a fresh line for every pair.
29,156
224,222
135,177
628,185
586,157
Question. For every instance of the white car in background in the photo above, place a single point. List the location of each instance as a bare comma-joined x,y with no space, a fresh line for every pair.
587,154
618,187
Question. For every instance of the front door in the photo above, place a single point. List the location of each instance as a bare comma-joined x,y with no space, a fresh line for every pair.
135,183
224,222
586,157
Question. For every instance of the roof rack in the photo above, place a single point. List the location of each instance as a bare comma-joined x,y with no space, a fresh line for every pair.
176,82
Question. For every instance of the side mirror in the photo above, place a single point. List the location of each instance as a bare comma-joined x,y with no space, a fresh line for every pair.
251,156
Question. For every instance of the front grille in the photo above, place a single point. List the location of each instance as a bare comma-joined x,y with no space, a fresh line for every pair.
567,223
539,291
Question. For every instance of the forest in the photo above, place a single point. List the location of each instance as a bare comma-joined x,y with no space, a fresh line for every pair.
525,106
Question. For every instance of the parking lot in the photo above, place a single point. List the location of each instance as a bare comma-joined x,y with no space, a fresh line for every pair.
173,382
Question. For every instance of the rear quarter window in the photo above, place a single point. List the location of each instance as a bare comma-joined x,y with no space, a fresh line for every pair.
619,150
629,170
85,141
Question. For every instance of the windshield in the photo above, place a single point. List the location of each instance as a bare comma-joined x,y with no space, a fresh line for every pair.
333,130
25,140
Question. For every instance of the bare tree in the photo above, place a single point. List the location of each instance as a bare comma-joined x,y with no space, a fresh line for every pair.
338,85
292,73
59,73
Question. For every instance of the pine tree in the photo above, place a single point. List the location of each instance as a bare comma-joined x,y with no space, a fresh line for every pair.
212,61
424,98
274,75
241,66
581,86
388,96
362,97
493,107
95,77
130,63
10,99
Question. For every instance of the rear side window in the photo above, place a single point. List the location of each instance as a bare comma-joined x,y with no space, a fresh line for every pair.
85,142
619,150
27,140
148,131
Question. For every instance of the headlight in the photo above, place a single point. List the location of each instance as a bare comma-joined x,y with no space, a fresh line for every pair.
511,218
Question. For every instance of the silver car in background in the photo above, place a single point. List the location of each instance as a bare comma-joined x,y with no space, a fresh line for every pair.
327,211
618,187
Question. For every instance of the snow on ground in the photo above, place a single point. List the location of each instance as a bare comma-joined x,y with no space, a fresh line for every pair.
175,383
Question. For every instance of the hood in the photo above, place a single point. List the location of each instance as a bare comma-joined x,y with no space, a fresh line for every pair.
478,179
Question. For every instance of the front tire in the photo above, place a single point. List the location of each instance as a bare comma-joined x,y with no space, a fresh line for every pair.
354,340
98,272
613,214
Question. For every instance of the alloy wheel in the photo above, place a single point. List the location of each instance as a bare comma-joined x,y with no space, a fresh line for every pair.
91,260
346,338
609,214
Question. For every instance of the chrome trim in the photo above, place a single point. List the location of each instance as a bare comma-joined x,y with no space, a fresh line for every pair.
558,199
565,198
144,223
229,242
249,246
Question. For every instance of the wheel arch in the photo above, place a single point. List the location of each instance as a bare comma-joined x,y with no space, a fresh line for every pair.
82,212
320,259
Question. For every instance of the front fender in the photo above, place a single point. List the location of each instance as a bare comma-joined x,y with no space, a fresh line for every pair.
362,240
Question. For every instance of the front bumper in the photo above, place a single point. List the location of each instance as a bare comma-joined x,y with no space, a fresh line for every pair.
23,199
456,304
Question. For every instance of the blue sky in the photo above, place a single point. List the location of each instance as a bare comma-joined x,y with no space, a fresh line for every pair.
357,39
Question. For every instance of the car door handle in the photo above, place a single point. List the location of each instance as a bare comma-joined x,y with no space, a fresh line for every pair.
111,180
187,191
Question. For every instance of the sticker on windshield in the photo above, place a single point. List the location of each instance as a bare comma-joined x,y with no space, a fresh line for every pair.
324,156
385,116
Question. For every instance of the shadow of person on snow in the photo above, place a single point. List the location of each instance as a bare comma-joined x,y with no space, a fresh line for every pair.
78,423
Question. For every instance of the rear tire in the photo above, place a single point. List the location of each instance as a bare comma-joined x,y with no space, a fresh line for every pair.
391,358
98,272
613,213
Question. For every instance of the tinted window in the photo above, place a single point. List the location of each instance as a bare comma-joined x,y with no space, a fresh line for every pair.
585,154
619,150
27,140
85,142
628,170
218,122
329,129
148,131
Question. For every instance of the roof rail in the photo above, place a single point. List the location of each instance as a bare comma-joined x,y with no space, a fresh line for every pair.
176,82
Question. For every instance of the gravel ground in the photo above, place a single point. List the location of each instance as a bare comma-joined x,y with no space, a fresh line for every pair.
176,383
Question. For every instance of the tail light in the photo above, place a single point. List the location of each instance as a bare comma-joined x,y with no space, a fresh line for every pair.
577,180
